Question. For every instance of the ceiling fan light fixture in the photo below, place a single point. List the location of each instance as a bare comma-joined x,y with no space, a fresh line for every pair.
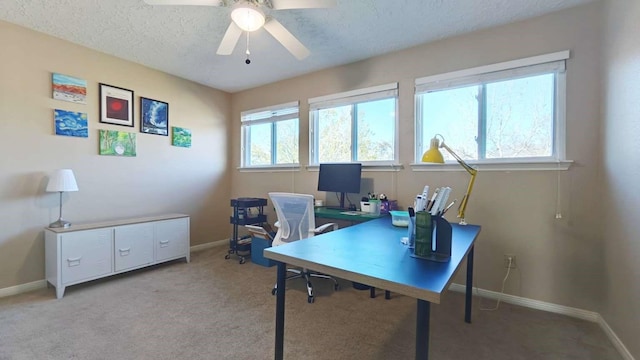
247,17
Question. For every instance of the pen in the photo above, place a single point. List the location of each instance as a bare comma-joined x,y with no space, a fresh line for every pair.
433,198
448,206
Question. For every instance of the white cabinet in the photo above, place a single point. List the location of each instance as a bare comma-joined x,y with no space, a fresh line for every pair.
90,251
133,245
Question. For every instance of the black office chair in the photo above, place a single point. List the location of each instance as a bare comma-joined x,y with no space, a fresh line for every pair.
296,221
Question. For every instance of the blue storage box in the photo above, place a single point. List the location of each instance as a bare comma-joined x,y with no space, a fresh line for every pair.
257,245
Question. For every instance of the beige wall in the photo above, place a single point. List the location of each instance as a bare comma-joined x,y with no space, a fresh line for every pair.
560,261
621,130
161,179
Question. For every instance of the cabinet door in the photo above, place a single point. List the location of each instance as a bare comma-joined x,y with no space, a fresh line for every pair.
86,254
172,239
133,246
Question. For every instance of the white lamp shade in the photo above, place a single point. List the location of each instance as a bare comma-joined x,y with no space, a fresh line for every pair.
62,180
247,17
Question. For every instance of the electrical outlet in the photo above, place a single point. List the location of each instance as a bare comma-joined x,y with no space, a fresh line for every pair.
513,261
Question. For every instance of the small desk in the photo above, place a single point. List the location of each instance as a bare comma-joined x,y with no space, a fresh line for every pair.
327,213
371,253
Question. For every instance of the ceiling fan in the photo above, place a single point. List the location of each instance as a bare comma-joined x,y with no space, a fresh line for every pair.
249,15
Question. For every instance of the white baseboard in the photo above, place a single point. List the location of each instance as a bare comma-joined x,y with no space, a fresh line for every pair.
209,245
23,288
554,308
626,355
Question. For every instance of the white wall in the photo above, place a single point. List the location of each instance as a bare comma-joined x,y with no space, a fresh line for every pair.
620,132
161,179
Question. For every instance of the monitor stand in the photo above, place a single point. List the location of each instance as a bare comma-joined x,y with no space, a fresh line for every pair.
341,206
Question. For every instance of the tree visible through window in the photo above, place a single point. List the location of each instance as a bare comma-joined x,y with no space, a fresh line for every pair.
270,136
510,114
355,129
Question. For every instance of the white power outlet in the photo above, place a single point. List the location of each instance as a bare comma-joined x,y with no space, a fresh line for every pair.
510,261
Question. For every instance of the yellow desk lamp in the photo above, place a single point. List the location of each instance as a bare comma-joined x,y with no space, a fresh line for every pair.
433,155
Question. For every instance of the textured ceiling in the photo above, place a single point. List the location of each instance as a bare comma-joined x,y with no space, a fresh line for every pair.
182,40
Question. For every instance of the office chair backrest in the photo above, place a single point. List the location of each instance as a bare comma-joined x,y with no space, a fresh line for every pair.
296,217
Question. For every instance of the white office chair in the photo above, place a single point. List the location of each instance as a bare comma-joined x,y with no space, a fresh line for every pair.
296,221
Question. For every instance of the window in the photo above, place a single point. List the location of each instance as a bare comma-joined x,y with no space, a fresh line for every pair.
507,112
270,136
356,126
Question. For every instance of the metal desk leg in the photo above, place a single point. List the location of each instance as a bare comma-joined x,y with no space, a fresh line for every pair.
280,281
422,330
469,289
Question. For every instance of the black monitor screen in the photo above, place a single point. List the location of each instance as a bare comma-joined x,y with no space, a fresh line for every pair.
340,177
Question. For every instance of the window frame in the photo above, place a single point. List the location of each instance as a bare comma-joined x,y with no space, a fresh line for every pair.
521,68
267,115
353,98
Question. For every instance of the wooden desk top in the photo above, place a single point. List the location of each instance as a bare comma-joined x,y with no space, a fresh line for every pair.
371,253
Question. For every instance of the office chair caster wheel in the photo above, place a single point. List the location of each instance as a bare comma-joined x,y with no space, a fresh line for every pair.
310,299
241,261
227,257
274,291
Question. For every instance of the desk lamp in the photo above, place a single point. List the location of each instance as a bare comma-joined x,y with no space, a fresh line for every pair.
433,155
61,181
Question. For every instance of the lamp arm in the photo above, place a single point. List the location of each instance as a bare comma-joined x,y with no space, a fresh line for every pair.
462,163
472,172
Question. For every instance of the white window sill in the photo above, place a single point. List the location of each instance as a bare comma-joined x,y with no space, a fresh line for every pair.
531,165
271,168
367,167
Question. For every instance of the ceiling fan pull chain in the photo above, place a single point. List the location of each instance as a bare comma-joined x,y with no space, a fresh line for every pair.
247,52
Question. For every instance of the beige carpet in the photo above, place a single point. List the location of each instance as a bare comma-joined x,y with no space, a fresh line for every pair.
214,308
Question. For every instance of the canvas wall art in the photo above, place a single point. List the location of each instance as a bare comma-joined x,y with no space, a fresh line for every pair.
117,143
70,123
116,105
69,88
181,137
154,116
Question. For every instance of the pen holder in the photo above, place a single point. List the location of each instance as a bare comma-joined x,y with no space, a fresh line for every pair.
433,237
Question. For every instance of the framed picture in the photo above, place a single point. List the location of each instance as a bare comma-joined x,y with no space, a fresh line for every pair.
116,105
69,88
181,137
154,116
70,123
117,143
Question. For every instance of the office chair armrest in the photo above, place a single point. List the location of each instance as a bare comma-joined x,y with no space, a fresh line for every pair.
323,228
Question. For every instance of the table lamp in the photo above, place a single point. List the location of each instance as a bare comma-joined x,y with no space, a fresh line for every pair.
433,155
60,181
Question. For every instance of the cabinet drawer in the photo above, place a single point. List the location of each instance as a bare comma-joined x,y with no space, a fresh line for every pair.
85,254
172,238
133,246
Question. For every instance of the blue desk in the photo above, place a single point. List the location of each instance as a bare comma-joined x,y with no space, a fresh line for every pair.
371,253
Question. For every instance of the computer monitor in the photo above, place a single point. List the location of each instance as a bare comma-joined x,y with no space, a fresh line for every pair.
341,178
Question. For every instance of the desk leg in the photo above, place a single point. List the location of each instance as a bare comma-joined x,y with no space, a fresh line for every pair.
422,330
280,281
469,289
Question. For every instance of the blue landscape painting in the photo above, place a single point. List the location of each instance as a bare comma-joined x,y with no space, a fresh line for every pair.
154,117
70,123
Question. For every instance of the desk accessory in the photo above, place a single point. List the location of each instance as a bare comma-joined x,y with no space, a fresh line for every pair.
60,181
433,155
432,237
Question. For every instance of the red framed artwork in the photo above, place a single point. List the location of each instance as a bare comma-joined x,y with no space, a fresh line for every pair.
116,105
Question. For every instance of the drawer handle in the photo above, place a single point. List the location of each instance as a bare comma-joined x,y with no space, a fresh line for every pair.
74,261
164,243
124,252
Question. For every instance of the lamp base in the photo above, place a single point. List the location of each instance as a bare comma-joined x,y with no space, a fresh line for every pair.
60,224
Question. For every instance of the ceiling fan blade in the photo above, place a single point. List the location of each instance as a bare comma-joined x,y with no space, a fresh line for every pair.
186,2
229,40
302,4
286,39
